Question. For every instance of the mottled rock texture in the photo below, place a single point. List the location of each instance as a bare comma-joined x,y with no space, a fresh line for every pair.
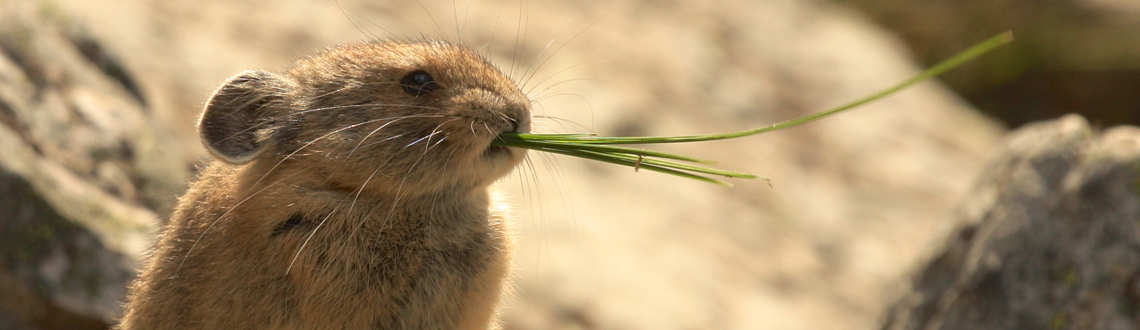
82,172
1052,240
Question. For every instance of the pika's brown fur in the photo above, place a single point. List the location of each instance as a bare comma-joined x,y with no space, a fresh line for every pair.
348,194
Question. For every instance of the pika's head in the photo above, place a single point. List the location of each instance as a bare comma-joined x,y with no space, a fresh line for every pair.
404,115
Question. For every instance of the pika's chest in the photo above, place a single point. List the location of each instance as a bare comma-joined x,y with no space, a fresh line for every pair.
387,277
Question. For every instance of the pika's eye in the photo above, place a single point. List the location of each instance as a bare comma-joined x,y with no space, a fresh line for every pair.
418,82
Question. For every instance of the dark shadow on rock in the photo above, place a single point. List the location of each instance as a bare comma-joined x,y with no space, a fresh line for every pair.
46,262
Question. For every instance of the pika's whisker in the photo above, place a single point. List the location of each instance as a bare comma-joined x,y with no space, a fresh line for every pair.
306,145
310,237
538,97
562,122
380,128
223,216
552,75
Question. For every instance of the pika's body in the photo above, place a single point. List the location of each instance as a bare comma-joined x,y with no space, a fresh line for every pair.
351,192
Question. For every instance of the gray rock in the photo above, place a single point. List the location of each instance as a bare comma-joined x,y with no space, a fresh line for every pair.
1053,240
82,172
54,273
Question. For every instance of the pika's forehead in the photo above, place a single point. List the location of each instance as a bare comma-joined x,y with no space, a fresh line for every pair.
386,60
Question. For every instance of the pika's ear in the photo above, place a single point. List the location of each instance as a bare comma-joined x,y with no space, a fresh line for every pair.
236,116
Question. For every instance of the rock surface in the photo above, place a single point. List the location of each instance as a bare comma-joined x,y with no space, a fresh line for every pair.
81,175
1052,239
857,198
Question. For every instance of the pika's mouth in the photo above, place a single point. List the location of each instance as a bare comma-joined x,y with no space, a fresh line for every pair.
497,151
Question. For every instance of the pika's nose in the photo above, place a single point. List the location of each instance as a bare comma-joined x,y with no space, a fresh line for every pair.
520,119
507,112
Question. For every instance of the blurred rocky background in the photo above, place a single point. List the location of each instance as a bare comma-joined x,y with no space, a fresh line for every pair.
1072,56
919,211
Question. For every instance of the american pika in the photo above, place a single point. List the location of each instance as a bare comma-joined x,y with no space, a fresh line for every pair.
350,192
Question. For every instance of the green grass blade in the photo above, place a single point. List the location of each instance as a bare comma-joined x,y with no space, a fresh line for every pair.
612,160
633,161
606,149
590,146
937,69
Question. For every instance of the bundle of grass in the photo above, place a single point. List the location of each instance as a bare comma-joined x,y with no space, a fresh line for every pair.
605,149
